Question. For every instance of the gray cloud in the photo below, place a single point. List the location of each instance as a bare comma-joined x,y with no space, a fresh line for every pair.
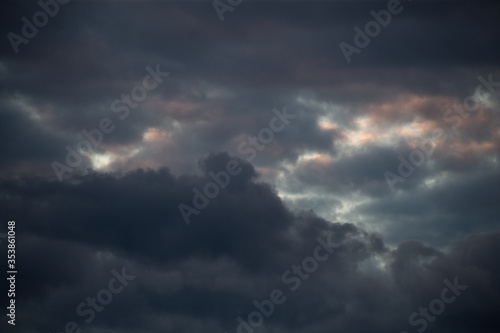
323,174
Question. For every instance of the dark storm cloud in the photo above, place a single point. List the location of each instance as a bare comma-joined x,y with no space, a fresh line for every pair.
264,55
352,122
24,141
362,171
442,211
93,60
205,275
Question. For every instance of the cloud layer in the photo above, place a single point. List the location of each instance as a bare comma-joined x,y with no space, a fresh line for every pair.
395,155
203,276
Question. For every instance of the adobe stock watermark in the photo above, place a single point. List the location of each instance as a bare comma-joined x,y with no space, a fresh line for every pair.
419,156
222,6
437,306
103,298
372,29
95,137
29,30
222,178
292,277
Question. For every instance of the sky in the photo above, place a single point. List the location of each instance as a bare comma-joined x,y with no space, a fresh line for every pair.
251,166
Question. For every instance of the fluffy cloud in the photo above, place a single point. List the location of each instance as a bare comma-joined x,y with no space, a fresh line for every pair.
205,275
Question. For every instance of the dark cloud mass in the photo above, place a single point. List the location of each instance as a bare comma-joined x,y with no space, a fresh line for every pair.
207,274
324,192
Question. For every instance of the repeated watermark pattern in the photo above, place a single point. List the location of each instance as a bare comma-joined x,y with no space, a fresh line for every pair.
104,297
222,178
419,156
372,29
222,6
437,306
293,278
122,106
29,30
